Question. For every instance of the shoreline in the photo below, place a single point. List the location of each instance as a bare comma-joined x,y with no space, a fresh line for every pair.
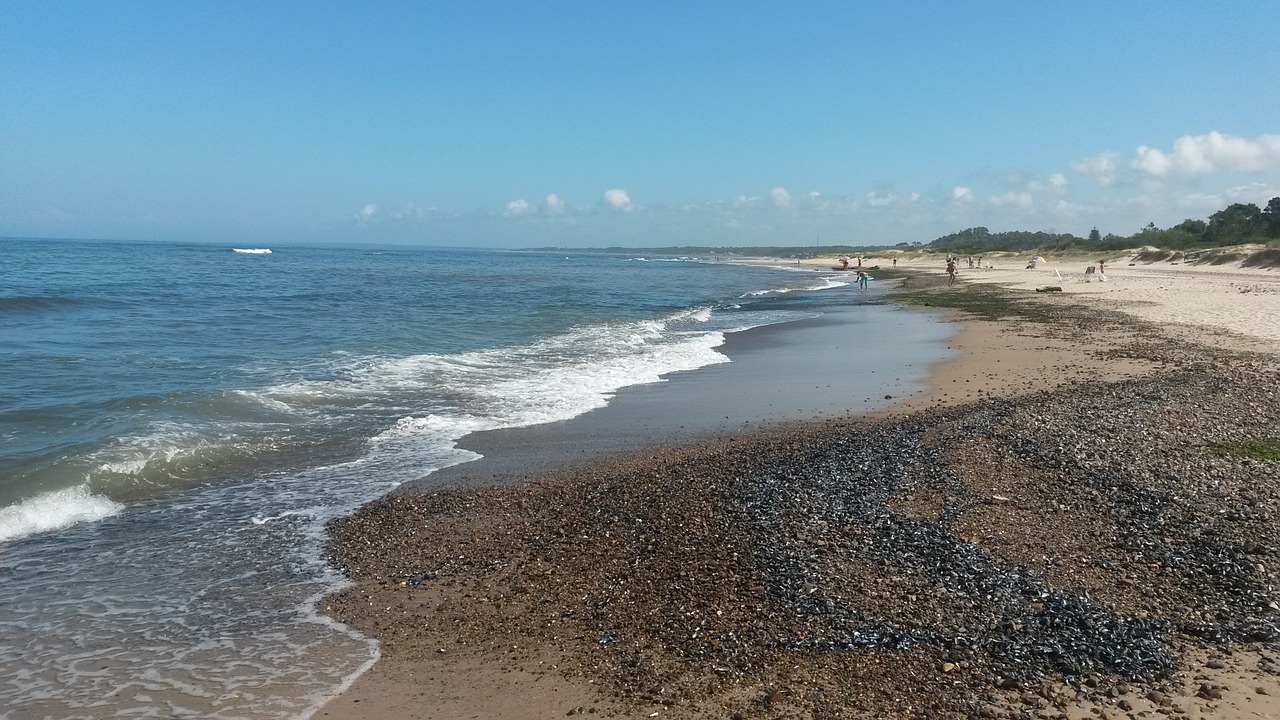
998,362
759,386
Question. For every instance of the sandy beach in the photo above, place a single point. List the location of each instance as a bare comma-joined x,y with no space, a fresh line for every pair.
1074,521
1235,304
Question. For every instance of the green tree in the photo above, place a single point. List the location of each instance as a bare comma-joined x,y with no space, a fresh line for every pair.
1271,216
1235,224
1194,227
1095,236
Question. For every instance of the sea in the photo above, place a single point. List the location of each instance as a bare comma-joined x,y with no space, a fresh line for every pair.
179,421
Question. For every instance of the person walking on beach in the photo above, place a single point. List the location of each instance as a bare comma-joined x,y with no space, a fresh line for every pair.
951,271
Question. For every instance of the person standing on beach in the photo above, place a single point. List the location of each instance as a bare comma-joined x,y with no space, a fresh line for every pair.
863,277
951,271
1102,267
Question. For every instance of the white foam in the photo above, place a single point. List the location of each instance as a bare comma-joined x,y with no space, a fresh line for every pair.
308,610
168,444
562,392
415,426
698,314
823,282
54,510
468,373
520,394
267,402
831,281
555,379
253,251
260,520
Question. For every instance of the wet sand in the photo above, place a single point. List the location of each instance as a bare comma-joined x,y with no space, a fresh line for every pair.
1047,532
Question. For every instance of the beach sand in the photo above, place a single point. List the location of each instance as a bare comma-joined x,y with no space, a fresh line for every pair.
1227,301
1052,509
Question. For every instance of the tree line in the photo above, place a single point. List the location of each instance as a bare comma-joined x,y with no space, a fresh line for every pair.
1236,224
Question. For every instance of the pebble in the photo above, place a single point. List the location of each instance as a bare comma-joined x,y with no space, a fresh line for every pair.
783,557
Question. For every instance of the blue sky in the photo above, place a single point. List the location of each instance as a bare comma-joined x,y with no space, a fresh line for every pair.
576,124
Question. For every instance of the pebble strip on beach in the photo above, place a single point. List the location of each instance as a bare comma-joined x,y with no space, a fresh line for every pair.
1002,558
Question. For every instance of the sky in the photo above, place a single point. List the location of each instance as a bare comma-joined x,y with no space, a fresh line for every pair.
502,124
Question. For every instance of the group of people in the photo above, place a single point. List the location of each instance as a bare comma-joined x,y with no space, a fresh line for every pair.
863,277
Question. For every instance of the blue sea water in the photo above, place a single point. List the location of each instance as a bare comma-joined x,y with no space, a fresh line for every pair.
178,422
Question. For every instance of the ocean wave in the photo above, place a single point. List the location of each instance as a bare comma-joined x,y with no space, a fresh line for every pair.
54,510
821,282
399,415
702,314
252,251
462,376
533,396
170,455
826,282
255,398
556,378
133,455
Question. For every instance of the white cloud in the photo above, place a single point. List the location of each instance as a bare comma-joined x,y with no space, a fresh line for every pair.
1152,162
781,198
1205,154
1058,180
411,211
1257,193
367,213
876,199
517,207
619,200
1199,204
1065,210
1013,198
1100,168
961,194
554,205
